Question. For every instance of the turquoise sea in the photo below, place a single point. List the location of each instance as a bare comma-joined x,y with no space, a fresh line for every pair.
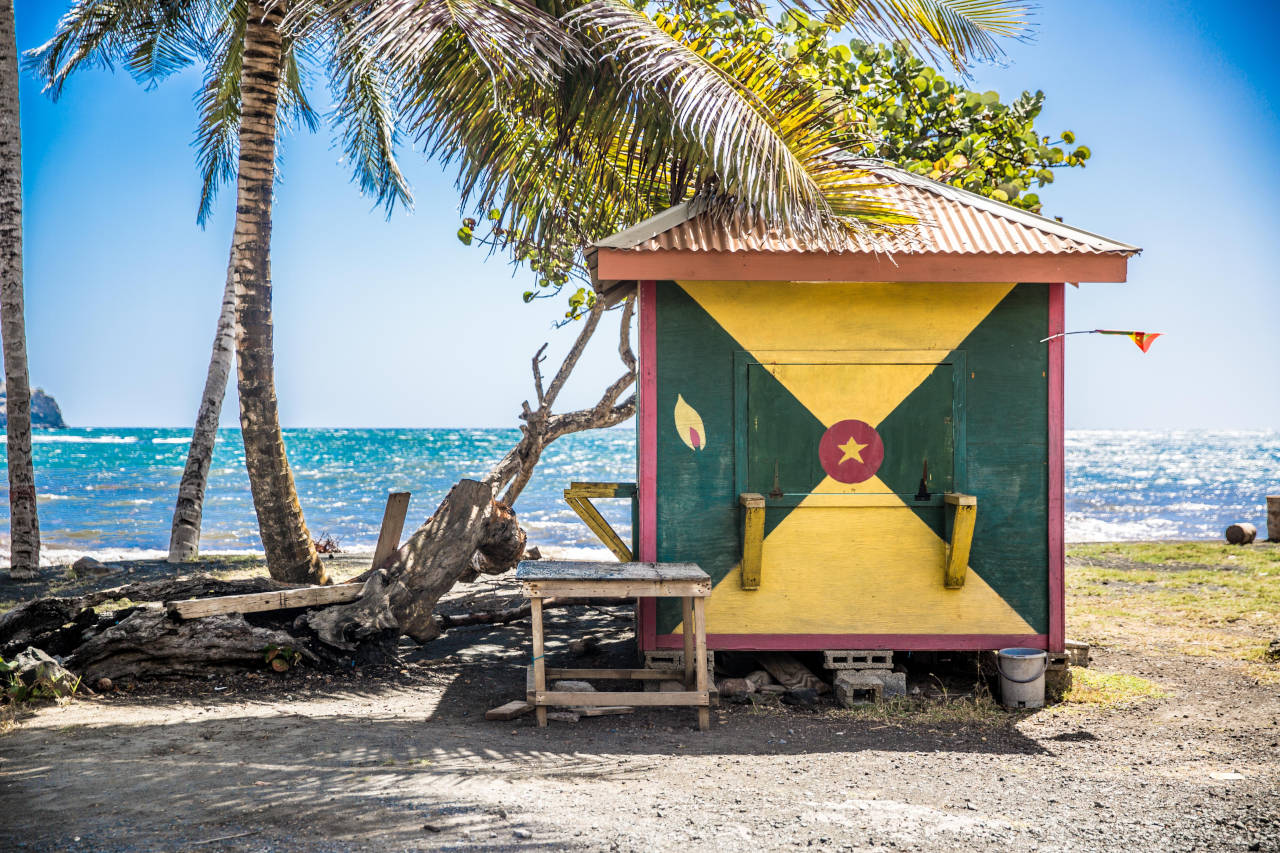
112,490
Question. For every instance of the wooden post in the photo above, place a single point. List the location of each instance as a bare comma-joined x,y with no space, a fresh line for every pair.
686,614
700,658
392,526
1273,518
539,665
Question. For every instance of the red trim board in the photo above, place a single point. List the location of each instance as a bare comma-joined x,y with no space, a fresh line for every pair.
617,264
648,445
1057,580
894,642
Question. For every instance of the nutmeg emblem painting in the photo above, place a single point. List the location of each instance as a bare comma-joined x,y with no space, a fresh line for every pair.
689,425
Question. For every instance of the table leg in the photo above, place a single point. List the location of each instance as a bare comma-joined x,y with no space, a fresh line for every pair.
539,665
700,657
686,615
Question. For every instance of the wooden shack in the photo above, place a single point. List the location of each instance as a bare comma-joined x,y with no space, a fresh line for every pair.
863,446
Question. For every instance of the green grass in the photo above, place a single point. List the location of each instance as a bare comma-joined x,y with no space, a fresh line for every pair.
1110,689
1194,598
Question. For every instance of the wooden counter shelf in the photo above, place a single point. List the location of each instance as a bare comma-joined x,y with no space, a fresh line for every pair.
686,581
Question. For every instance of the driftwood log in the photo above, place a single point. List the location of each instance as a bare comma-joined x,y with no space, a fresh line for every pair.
1242,533
401,596
469,528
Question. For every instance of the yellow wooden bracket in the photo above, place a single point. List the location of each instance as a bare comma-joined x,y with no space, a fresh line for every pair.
962,525
579,496
752,540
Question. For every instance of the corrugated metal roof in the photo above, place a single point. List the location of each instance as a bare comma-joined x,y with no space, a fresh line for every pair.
949,221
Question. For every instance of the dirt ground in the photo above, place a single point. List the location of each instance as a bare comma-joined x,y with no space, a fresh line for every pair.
402,759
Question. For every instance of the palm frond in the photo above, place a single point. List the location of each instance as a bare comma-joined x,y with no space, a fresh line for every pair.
152,38
367,116
512,38
219,102
962,31
767,140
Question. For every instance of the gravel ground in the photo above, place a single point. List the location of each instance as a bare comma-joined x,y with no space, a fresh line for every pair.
402,759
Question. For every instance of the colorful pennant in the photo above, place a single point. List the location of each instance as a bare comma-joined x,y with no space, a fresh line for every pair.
1142,339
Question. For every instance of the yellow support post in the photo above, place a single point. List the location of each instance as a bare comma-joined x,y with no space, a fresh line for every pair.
752,540
579,495
962,526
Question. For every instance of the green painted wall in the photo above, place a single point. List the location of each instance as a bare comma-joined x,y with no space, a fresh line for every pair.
1006,441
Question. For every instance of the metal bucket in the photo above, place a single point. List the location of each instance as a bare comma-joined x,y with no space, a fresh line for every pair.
1022,677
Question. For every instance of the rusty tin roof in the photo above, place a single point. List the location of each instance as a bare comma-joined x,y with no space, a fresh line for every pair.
950,221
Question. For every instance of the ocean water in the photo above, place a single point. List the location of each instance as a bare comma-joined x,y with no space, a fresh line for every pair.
112,490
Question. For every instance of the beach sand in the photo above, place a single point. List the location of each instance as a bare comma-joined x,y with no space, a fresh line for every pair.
1172,742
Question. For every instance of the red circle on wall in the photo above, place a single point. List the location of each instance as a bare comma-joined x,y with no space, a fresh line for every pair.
851,451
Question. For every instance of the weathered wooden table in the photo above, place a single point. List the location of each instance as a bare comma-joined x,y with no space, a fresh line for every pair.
546,578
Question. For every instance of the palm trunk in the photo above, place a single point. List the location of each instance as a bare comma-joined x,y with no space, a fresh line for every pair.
24,526
291,555
184,538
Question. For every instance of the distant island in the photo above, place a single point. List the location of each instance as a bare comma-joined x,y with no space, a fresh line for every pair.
45,413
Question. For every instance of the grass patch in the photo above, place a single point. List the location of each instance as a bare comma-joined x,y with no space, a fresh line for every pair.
1195,598
980,710
1110,689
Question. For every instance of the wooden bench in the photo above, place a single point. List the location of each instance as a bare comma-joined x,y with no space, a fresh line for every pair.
686,581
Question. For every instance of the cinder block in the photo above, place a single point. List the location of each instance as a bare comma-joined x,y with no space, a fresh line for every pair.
858,688
895,683
674,659
1078,652
1057,660
857,659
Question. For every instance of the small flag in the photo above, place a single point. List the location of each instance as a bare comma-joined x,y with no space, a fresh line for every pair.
1144,340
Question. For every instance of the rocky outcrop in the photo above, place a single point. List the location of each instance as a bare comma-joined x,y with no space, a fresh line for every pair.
45,413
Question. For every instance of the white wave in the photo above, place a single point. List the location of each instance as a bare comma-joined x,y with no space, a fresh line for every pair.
41,438
1081,528
176,440
558,552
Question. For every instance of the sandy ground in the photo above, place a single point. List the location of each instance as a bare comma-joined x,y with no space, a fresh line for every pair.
402,759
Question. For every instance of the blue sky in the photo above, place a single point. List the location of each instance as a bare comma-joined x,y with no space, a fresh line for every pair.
394,323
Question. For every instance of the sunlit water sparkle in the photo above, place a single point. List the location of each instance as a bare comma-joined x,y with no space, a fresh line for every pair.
112,490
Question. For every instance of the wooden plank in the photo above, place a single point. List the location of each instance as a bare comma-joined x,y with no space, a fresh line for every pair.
591,570
1057,562
616,589
539,664
392,526
752,540
610,674
258,602
686,618
509,711
605,710
955,499
598,525
935,642
601,490
647,457
961,543
563,698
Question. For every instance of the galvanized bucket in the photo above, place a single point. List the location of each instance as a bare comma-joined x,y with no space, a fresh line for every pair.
1022,677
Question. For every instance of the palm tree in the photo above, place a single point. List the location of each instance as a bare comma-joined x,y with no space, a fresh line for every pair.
24,525
253,79
647,110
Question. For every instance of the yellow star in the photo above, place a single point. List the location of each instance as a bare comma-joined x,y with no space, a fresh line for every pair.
852,450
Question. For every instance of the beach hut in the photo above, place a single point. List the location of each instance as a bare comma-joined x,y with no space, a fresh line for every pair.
861,443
